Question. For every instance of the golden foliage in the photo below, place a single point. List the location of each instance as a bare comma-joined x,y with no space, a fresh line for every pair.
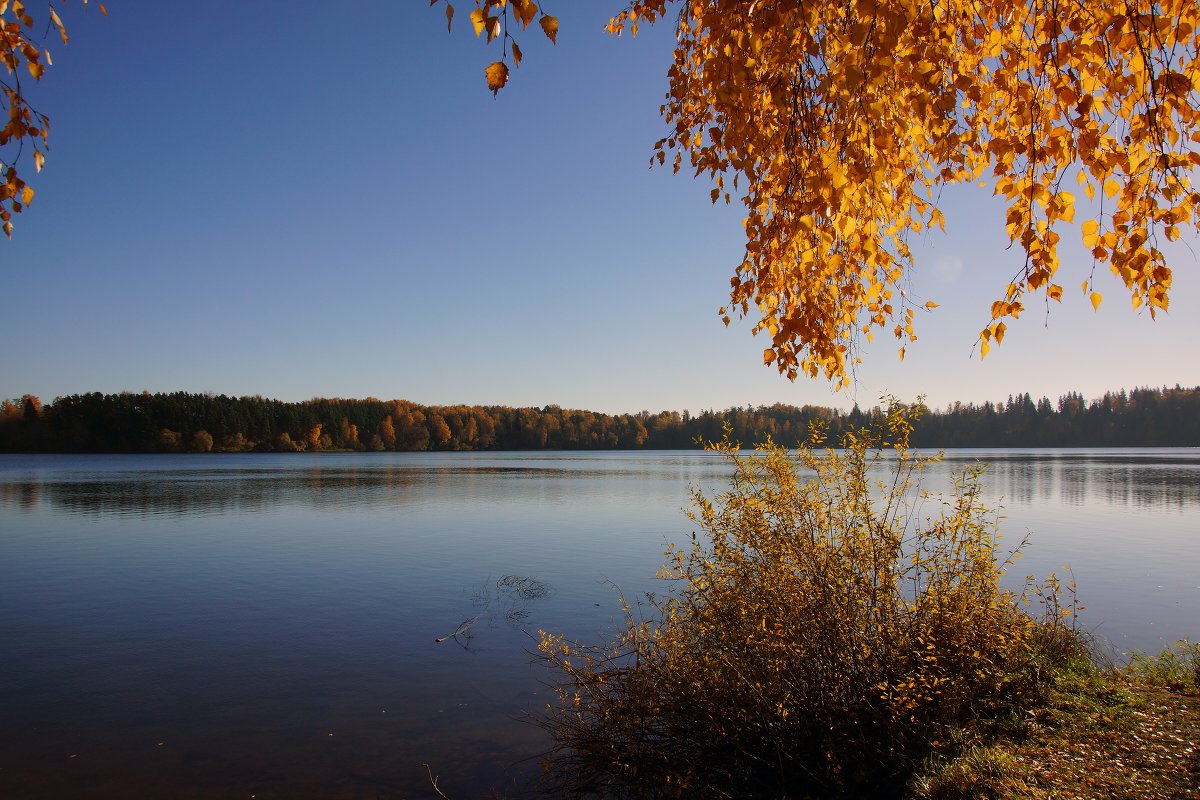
829,630
491,17
21,122
842,123
837,125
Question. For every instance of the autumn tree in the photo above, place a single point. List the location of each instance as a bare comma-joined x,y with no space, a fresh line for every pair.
202,441
31,408
234,443
839,125
439,431
349,435
314,437
413,434
387,433
169,441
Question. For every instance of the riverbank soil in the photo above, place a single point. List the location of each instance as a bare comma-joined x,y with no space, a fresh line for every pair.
1142,742
1099,736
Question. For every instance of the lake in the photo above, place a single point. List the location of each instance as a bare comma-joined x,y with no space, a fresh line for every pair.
212,626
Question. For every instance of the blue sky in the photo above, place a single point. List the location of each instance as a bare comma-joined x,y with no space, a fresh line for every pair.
300,200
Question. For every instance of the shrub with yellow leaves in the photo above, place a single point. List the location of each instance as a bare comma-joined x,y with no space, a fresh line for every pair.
830,628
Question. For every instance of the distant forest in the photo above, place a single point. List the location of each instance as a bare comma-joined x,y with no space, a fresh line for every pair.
182,422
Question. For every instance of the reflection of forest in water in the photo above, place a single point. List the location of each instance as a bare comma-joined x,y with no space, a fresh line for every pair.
1079,479
1138,479
207,493
221,491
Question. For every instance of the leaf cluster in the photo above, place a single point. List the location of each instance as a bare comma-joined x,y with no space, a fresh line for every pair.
838,125
22,123
491,17
831,628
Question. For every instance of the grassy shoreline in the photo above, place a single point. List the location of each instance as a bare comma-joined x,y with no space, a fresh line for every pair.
1125,733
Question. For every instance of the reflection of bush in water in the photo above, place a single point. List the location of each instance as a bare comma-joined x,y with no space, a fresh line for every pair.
525,588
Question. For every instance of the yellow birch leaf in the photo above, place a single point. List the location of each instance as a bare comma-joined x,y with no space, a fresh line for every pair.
479,20
526,11
1090,229
38,159
931,305
27,195
58,23
937,218
1068,202
497,76
1096,298
550,28
516,54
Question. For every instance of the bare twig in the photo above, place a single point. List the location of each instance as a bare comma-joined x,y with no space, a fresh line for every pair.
433,781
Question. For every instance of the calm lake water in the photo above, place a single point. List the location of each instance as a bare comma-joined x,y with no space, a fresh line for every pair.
264,625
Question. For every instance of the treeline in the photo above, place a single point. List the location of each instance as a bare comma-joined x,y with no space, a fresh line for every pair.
180,422
1138,418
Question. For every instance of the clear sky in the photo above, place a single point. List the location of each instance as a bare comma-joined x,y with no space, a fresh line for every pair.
324,199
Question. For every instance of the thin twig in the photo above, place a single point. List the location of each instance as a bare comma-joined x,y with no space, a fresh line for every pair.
433,781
